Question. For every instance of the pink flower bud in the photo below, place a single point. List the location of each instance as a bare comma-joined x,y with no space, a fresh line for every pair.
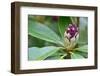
71,36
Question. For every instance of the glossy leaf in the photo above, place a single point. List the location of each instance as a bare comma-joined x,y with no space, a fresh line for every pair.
84,54
41,31
58,55
32,41
36,53
82,48
76,56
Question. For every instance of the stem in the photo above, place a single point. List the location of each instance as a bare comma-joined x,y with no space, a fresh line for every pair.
75,20
62,57
68,55
78,21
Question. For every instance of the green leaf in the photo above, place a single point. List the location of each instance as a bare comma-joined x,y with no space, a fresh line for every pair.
59,55
36,53
84,54
32,41
75,20
56,57
63,22
76,56
82,48
41,31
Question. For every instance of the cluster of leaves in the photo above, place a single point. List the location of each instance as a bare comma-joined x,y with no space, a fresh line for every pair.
45,39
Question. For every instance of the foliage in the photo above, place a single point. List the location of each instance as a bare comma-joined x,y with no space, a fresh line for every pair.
46,39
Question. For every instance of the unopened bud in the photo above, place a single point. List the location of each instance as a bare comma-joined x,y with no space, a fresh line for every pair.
71,36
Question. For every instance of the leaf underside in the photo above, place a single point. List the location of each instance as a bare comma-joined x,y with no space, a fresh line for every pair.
36,53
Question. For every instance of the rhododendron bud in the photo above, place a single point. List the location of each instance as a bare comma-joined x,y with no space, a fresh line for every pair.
71,36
